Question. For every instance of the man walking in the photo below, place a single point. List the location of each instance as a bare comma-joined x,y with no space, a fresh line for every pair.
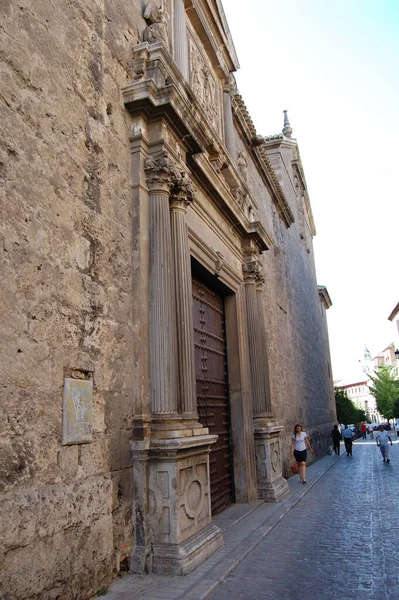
382,438
363,429
348,436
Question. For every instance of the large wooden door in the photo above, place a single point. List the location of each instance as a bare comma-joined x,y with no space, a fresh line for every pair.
212,388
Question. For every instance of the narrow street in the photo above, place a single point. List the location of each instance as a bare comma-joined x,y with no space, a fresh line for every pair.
340,541
337,537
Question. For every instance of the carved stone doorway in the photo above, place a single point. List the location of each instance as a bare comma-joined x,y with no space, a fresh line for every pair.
212,388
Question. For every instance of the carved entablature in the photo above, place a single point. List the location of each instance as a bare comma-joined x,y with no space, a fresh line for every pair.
204,84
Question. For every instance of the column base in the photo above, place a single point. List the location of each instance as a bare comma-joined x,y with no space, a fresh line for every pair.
181,559
273,492
272,487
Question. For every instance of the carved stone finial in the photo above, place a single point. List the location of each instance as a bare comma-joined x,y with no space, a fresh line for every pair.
287,129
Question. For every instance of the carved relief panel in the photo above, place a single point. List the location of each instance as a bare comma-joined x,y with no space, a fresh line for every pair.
205,84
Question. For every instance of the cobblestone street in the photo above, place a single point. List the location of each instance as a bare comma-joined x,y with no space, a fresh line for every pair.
337,537
340,541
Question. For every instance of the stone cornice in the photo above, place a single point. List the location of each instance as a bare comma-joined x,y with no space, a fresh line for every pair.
256,142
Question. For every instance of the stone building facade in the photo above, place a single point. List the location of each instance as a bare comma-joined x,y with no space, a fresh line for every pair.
161,321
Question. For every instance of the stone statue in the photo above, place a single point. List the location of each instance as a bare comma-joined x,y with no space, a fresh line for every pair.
242,164
157,30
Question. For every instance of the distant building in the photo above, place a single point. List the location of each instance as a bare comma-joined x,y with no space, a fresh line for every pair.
360,395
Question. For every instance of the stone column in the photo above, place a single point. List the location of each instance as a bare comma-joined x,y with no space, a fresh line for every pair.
267,405
228,116
163,336
180,41
182,195
272,487
250,271
178,533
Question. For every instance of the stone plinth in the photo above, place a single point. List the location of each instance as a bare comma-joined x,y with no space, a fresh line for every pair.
272,486
182,536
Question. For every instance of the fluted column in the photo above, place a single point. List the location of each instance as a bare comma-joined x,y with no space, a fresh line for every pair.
251,271
163,338
182,195
180,41
264,344
228,116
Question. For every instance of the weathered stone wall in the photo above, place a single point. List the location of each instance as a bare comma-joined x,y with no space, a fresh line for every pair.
66,292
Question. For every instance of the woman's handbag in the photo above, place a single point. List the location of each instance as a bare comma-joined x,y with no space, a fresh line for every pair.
294,468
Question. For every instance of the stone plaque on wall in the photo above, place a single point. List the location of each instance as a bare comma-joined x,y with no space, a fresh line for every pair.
77,416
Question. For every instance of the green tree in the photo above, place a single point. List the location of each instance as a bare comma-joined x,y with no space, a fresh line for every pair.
385,390
347,412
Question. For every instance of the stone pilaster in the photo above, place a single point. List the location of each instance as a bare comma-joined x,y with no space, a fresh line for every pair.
267,407
163,335
182,195
272,487
180,41
250,271
228,116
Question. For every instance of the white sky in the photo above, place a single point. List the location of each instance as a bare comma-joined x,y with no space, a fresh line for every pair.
335,67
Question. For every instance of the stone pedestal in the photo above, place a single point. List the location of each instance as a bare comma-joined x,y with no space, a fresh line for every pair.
179,504
272,487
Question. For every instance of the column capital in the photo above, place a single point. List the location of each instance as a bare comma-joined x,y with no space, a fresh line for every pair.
183,192
161,172
251,271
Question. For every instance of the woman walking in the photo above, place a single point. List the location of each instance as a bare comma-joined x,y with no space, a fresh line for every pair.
299,446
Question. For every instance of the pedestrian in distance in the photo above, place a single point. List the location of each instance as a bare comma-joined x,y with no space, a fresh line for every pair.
299,446
336,438
348,436
363,429
370,429
382,438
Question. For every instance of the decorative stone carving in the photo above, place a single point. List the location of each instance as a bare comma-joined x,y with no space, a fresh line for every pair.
242,164
204,85
157,30
251,271
219,262
160,170
183,191
139,65
230,85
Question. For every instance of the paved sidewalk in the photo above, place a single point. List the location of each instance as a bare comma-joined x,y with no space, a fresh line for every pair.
244,527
